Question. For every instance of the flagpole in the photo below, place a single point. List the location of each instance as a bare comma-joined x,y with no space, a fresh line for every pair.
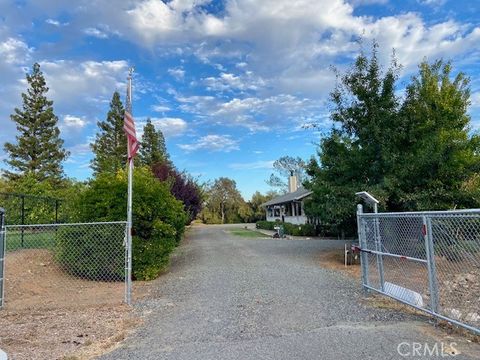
128,297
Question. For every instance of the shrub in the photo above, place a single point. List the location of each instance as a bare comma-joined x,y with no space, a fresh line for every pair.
158,223
92,252
266,225
151,256
290,229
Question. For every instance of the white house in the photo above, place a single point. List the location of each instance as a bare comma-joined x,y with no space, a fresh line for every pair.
289,207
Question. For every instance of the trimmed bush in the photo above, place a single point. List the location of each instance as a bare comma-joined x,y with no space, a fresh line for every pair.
158,225
266,225
290,229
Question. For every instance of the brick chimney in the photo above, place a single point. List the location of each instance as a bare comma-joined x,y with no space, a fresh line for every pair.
292,182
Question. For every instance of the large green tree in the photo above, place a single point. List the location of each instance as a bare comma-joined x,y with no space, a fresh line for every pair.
153,149
355,156
435,152
38,150
110,146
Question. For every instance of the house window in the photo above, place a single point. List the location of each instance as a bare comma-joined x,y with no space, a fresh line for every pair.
299,208
276,212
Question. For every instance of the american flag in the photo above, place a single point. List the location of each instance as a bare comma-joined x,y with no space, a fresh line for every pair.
129,127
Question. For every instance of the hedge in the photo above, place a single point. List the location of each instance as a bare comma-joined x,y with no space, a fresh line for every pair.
290,229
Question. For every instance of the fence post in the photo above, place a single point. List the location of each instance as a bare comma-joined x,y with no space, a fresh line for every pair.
23,217
363,245
56,211
378,247
3,248
432,272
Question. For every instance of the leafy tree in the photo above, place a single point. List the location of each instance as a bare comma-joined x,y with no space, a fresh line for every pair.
182,186
223,202
257,211
283,168
153,149
39,149
355,156
110,146
435,154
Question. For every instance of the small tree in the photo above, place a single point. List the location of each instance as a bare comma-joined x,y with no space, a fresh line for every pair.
153,149
39,149
110,146
182,186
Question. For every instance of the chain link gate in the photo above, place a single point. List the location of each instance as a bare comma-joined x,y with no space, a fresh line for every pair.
429,260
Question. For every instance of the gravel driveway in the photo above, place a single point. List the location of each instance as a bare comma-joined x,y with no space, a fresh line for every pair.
228,297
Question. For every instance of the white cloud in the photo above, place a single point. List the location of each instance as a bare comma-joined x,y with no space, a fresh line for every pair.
268,164
433,3
91,31
14,51
170,126
81,87
160,108
230,82
73,122
177,73
475,100
56,23
223,143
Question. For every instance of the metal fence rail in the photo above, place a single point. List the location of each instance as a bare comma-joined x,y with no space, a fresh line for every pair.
429,260
24,209
56,265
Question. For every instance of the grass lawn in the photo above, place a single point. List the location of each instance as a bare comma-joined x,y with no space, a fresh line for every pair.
31,240
247,233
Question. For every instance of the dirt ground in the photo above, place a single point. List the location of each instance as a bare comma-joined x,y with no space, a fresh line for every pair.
42,303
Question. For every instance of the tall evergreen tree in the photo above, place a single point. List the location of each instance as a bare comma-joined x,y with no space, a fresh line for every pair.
152,147
39,149
110,146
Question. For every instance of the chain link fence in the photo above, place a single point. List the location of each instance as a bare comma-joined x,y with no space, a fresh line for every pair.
58,265
430,260
22,209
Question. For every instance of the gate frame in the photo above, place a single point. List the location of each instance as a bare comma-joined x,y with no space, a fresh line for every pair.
430,258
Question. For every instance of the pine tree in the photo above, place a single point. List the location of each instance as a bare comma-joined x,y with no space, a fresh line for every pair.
39,149
152,149
110,146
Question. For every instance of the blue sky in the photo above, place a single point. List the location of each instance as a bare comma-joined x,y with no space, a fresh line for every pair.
230,83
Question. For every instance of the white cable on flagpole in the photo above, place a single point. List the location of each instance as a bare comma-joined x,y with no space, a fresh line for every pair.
129,201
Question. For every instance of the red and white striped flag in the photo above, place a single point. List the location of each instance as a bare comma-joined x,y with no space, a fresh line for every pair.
129,127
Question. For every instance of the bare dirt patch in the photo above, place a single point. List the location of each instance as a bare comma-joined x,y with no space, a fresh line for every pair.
51,315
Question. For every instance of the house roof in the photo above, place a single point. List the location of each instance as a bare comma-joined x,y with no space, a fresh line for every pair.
293,196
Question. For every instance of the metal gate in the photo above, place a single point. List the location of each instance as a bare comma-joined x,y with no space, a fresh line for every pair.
2,255
429,260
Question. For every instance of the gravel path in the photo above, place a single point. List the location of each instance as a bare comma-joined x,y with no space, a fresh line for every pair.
228,297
